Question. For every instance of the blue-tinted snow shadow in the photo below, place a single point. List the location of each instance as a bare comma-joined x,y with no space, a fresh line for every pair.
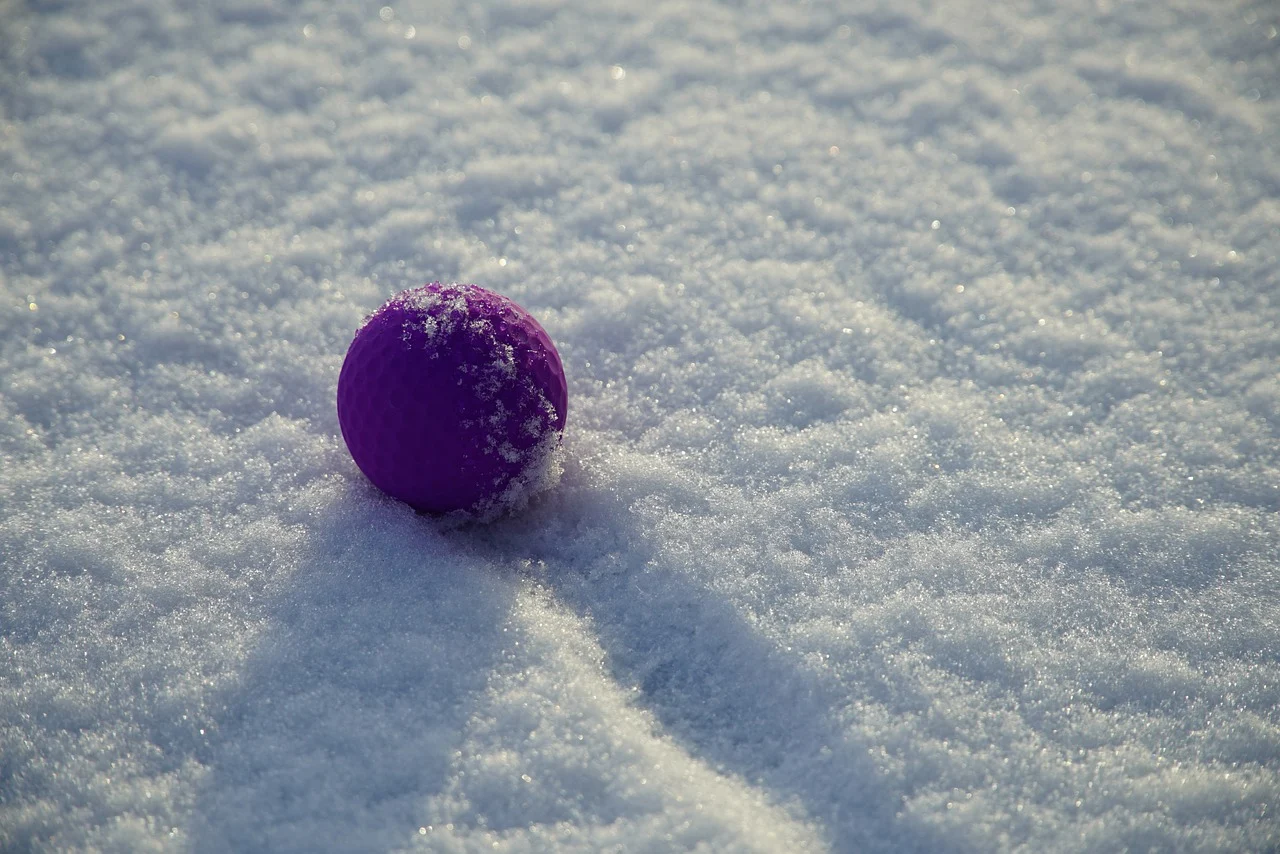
722,690
344,717
375,651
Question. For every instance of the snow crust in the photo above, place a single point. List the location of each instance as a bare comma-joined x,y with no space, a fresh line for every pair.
921,490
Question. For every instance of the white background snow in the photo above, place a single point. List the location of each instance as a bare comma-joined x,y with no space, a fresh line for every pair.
923,460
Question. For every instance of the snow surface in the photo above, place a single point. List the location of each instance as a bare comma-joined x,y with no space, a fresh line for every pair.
923,456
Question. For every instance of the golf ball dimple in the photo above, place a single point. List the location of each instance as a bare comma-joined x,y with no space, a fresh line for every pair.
453,399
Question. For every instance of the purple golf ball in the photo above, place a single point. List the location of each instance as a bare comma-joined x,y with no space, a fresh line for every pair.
453,398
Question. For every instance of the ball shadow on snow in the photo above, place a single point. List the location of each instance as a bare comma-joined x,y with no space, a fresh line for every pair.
724,692
355,694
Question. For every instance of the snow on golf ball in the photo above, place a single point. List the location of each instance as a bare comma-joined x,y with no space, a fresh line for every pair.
453,398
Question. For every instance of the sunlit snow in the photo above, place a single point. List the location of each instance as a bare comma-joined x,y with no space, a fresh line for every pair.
922,473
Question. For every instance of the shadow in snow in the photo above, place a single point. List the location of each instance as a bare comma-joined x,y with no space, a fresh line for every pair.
722,690
356,694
